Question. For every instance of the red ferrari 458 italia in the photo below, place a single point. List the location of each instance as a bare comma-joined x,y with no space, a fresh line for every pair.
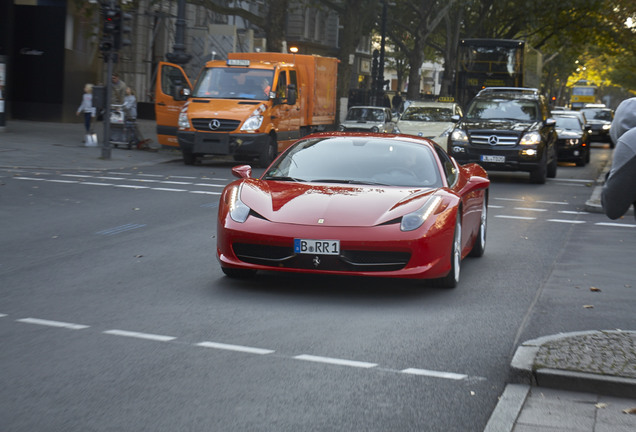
355,204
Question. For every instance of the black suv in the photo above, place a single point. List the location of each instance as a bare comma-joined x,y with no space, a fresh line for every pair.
507,129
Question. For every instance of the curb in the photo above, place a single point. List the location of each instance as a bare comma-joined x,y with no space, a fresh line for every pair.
522,371
507,411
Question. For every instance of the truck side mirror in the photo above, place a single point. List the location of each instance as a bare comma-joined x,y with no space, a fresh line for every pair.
292,94
181,93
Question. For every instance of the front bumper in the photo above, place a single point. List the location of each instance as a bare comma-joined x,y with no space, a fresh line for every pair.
498,158
570,153
220,143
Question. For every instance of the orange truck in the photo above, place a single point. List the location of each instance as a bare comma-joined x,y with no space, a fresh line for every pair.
251,106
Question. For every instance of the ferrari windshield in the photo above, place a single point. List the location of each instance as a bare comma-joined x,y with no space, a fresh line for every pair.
234,83
358,160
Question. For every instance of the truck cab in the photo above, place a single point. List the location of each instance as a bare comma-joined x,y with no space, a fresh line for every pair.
251,106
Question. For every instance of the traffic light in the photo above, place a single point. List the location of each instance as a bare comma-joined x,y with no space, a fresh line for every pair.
125,30
108,33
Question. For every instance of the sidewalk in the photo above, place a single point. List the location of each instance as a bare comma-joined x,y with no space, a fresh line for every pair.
582,382
42,145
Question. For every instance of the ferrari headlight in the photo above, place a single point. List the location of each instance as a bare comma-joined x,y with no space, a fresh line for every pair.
413,221
184,123
531,138
459,135
238,209
252,123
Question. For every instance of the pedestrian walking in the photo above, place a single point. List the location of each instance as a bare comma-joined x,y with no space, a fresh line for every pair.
87,109
118,90
619,190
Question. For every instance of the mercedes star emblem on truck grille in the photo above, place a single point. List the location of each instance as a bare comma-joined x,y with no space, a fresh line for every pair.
215,124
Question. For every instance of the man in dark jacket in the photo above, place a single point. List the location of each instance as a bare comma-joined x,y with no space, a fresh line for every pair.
619,191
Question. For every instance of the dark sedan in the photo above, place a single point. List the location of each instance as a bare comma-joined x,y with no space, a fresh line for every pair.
572,141
600,121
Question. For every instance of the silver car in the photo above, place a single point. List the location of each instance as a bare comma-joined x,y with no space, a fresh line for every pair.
368,119
429,120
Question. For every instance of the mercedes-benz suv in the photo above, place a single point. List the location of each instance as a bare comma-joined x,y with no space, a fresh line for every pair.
507,129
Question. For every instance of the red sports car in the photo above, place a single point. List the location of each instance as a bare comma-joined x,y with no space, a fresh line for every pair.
355,204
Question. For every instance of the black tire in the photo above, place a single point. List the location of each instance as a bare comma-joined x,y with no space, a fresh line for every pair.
188,157
552,166
587,155
236,273
540,173
452,278
480,242
268,154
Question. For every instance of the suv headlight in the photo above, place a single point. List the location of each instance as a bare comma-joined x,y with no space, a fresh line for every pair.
459,135
531,138
184,123
252,123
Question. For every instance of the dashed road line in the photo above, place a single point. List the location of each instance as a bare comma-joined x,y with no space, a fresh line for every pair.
567,221
531,209
335,361
169,190
515,217
138,335
239,348
120,229
614,224
50,323
436,374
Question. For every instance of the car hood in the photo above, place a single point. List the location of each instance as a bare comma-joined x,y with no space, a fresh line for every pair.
564,133
427,129
235,109
501,125
335,205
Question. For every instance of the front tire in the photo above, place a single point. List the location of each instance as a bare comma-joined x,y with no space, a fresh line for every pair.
540,173
452,278
268,154
480,242
552,166
188,157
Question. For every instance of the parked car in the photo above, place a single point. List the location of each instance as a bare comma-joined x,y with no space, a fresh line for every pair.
368,119
430,120
355,204
507,129
572,141
600,120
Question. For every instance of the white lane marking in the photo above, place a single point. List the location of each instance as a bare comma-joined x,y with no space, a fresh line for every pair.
206,192
572,212
510,199
531,209
169,190
239,348
554,202
495,206
111,178
121,173
49,323
97,184
183,177
148,336
132,186
29,178
63,181
335,361
2,315
572,180
77,175
614,224
150,175
120,229
209,185
516,217
566,221
144,180
436,374
176,182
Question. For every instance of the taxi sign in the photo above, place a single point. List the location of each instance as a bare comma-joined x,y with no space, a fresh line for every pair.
445,99
237,62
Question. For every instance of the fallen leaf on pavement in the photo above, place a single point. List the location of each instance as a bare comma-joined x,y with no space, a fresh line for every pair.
588,306
601,405
630,411
594,289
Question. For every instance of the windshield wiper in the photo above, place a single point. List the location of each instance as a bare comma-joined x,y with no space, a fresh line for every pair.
283,178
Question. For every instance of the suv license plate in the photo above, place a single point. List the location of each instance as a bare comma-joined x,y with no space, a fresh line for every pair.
489,158
317,247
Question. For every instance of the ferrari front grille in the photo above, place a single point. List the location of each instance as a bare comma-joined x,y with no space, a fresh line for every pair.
348,260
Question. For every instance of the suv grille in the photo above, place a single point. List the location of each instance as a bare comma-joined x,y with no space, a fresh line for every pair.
493,138
203,124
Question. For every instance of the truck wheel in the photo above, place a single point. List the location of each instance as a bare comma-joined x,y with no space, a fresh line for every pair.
188,157
552,166
268,154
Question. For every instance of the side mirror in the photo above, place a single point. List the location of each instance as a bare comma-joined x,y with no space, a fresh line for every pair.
292,94
550,122
242,171
455,118
181,93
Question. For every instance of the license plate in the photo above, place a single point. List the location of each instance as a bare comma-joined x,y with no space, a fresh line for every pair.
317,247
490,158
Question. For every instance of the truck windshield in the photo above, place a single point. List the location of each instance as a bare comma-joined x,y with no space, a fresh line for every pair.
234,83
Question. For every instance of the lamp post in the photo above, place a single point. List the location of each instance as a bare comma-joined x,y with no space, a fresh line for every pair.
178,54
380,82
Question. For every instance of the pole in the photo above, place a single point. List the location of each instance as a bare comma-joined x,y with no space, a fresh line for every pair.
380,89
106,149
178,54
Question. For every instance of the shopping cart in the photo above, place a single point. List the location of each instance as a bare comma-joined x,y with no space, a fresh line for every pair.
123,129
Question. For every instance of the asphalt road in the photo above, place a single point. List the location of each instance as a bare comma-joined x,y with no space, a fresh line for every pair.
114,314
